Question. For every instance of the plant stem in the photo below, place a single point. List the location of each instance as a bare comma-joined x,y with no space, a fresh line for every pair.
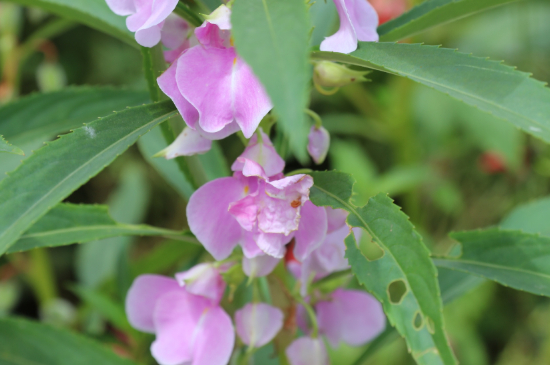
186,13
316,118
311,315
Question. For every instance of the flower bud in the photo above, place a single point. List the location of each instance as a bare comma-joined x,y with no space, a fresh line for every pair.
330,74
258,323
319,142
307,351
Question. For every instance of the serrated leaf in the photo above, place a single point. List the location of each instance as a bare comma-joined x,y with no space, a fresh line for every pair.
405,260
27,342
8,148
69,223
93,13
59,168
488,85
430,14
272,36
513,258
533,217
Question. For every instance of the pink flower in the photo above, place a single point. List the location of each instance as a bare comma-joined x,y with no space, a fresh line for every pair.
319,142
189,143
214,90
358,21
261,213
146,17
307,351
259,266
175,36
189,328
204,280
258,323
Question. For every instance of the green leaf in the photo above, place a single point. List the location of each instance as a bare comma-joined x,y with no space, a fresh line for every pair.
6,147
432,13
69,223
93,13
59,168
532,217
512,258
406,262
488,85
30,343
272,36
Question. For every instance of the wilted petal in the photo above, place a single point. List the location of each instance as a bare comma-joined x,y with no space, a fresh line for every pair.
168,85
214,339
307,351
312,230
262,152
259,266
188,143
364,19
319,142
122,7
142,298
352,316
258,323
209,218
204,280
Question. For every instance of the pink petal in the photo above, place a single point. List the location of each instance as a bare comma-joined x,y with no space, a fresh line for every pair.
312,230
168,85
160,10
259,266
215,338
142,298
174,32
122,7
188,143
263,153
214,32
352,316
272,244
307,351
177,315
252,168
364,19
221,17
204,280
336,218
148,37
330,257
209,218
319,142
258,323
224,132
345,39
249,246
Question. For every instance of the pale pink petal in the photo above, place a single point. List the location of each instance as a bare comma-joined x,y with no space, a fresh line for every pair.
252,168
224,132
210,35
364,19
148,37
345,39
319,142
259,266
209,218
312,230
330,257
177,314
262,152
245,212
174,32
336,218
221,17
214,339
168,85
307,351
160,10
136,20
142,298
249,246
258,323
273,244
188,143
352,316
122,7
204,280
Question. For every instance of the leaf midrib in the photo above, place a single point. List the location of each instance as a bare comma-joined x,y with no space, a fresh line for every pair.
128,227
495,266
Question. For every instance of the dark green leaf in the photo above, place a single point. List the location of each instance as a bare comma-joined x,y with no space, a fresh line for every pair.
6,147
488,85
430,14
56,170
405,263
273,37
512,258
93,13
533,217
30,343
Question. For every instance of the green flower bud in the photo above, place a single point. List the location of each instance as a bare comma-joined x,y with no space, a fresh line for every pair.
330,74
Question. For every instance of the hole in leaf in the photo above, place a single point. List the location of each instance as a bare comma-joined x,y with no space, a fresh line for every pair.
397,290
430,325
370,249
418,321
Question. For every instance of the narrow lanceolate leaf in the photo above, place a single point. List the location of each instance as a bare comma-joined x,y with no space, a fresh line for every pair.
273,37
69,223
533,217
8,148
27,342
513,258
432,13
59,168
93,13
45,115
487,85
406,263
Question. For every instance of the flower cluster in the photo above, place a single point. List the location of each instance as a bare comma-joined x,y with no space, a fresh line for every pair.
258,218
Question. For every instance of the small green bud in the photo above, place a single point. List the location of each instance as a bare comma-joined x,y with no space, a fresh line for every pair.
330,74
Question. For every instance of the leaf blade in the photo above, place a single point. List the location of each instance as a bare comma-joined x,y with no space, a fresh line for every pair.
8,148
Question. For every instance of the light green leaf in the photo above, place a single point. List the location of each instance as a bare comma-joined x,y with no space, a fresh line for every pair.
512,258
430,14
30,343
533,217
405,263
56,170
6,147
69,223
273,37
93,13
488,85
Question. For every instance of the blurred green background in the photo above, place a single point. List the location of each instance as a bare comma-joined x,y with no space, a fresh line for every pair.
449,166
